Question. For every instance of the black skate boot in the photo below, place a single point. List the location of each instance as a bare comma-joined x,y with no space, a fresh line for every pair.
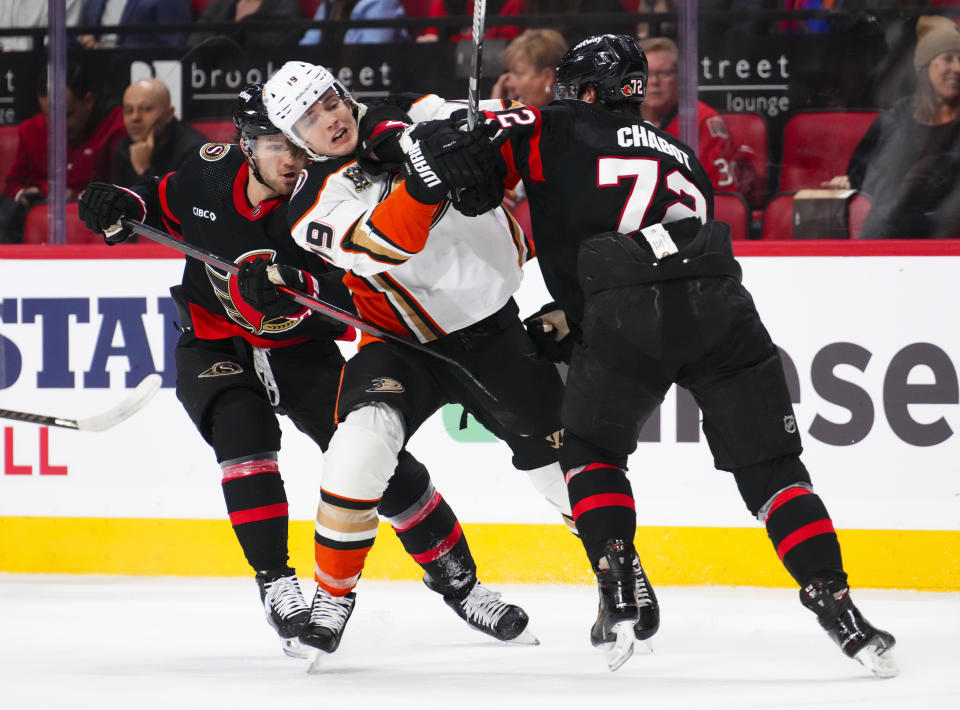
286,609
843,622
648,621
328,618
483,610
618,613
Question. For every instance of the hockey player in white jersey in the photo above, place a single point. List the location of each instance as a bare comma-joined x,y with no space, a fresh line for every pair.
423,271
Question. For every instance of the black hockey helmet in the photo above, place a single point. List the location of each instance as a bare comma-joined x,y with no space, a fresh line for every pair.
613,64
250,116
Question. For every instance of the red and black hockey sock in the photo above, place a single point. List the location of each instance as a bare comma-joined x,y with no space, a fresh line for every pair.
802,534
257,504
603,506
427,527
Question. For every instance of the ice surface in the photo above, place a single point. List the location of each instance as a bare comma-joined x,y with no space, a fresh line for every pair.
179,644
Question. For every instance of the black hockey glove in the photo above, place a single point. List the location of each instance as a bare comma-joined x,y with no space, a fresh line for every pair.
259,291
549,331
102,205
378,140
444,159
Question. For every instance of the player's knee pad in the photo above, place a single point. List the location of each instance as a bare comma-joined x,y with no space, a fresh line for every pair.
761,483
363,452
241,423
549,481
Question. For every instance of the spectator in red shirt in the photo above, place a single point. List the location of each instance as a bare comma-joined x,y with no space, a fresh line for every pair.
452,8
728,170
92,134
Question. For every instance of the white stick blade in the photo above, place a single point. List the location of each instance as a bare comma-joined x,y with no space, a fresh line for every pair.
135,401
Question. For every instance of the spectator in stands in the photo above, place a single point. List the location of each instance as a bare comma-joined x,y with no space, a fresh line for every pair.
359,10
134,12
156,142
908,162
29,13
93,131
728,169
531,63
248,14
578,27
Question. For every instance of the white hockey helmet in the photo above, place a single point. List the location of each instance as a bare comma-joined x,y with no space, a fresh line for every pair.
292,90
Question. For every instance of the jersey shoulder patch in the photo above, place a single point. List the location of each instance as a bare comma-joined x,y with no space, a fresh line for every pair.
717,127
214,151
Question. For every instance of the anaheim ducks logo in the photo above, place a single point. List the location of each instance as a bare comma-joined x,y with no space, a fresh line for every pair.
227,289
222,368
385,384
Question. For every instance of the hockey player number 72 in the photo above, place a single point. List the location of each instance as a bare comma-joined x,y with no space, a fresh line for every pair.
645,172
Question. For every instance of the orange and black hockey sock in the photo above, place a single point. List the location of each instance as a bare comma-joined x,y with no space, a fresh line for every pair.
603,506
344,534
427,527
257,504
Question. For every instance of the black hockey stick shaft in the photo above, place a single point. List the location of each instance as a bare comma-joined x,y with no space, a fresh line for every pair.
41,419
325,309
473,89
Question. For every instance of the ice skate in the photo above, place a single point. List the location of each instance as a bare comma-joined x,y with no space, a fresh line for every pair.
286,609
483,610
648,609
328,618
618,615
843,622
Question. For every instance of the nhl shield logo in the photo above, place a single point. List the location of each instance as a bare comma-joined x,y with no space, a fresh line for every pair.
790,424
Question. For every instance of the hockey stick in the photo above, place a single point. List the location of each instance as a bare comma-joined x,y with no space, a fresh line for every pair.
141,394
473,90
325,309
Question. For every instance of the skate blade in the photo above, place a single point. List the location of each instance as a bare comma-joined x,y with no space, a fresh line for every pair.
316,666
618,652
293,648
880,662
525,639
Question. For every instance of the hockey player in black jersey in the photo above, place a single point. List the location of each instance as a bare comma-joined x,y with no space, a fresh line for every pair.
622,212
238,368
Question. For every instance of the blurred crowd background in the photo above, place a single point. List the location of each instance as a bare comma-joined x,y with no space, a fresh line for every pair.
816,119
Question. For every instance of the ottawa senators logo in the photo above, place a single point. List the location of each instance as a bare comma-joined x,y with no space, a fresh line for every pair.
213,151
633,87
385,384
222,368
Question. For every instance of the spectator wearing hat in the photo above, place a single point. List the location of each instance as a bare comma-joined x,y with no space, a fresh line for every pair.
908,161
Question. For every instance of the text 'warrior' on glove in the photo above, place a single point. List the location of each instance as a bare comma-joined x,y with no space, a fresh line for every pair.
103,205
257,289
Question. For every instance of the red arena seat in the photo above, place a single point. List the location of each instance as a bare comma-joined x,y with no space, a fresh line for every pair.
36,230
778,218
730,207
817,146
199,6
309,7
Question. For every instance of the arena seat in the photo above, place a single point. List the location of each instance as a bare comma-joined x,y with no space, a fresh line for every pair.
199,6
216,131
749,131
8,152
416,8
308,8
817,146
730,207
35,229
778,218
